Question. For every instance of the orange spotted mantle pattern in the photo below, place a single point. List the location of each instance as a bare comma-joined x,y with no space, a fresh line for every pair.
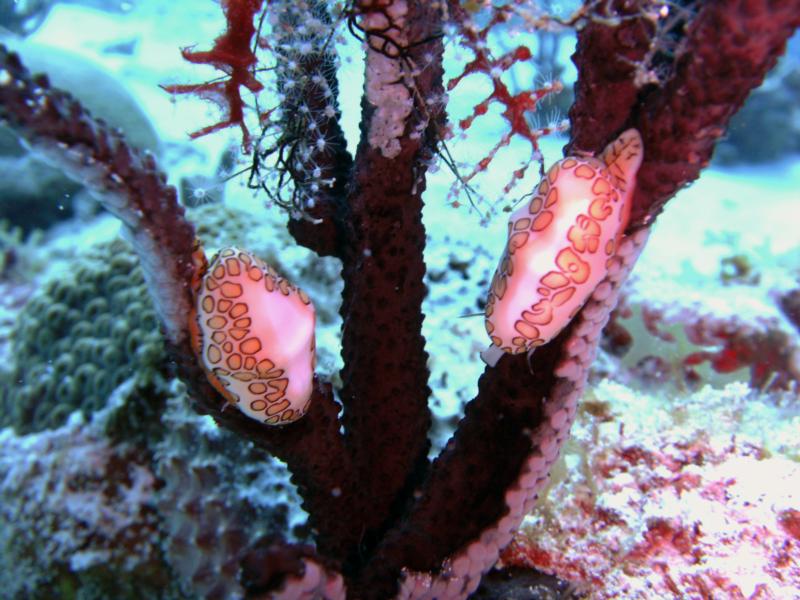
559,245
246,357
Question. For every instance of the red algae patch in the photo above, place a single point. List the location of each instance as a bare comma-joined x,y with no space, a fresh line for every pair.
662,508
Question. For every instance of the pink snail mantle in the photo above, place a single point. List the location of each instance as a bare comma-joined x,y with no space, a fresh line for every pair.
559,245
253,332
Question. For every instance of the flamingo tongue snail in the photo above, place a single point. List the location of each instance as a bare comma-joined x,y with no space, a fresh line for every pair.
559,245
253,332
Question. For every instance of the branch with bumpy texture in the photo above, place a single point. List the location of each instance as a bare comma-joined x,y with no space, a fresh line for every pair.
128,183
721,54
380,240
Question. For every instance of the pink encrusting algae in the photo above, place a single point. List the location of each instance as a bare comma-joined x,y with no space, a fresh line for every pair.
663,507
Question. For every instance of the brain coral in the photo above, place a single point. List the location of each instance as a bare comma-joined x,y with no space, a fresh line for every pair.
79,338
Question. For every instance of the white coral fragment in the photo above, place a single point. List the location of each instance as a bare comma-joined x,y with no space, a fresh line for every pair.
386,88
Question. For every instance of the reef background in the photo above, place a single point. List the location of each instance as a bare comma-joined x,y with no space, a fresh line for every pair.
669,458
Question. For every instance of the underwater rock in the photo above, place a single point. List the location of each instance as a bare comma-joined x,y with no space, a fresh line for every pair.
96,509
516,583
677,330
77,513
672,496
766,110
767,126
219,495
790,305
25,17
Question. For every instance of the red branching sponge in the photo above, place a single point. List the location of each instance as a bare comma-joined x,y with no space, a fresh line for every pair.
232,53
517,106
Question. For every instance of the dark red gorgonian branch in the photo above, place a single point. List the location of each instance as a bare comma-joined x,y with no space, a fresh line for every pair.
723,50
128,182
